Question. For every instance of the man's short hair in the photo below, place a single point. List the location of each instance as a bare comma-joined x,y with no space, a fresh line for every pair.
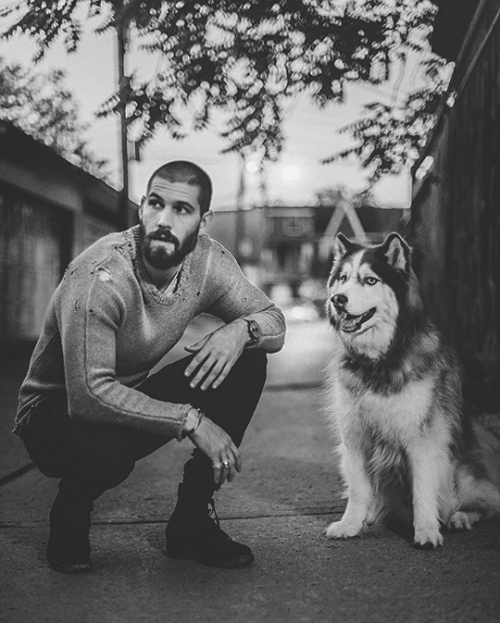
190,173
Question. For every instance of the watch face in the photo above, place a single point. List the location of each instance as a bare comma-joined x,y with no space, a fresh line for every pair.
254,330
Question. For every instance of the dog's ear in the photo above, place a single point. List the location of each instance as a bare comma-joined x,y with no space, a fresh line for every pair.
397,253
341,246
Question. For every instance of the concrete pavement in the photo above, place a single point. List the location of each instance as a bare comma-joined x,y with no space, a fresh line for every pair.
279,505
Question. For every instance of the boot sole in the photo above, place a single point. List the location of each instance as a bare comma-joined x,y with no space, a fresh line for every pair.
233,563
79,567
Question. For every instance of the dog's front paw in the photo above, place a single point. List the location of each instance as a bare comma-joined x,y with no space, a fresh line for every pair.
343,530
427,538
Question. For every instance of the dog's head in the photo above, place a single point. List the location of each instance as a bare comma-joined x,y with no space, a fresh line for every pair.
366,288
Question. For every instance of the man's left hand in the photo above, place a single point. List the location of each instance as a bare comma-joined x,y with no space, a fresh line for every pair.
216,354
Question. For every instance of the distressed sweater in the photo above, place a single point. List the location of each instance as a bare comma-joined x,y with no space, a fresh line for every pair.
107,326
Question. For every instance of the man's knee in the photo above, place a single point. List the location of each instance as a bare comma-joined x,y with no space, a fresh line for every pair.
248,376
252,364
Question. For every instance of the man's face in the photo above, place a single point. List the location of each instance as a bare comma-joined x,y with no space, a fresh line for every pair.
170,220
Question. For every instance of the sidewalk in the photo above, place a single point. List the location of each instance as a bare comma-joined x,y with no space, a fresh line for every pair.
279,505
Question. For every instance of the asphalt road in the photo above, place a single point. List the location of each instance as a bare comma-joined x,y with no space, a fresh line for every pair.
280,505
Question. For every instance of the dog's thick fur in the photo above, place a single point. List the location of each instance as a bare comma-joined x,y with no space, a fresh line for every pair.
394,400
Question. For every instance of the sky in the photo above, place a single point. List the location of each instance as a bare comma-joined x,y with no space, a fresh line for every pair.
311,134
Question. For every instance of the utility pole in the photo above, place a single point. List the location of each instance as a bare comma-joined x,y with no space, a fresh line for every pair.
122,41
240,206
264,197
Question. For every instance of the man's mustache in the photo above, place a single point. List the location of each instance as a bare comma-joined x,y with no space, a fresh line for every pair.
164,235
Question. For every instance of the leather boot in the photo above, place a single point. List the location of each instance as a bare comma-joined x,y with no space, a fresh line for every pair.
194,533
68,548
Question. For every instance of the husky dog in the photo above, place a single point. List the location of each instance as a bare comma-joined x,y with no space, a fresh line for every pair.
394,401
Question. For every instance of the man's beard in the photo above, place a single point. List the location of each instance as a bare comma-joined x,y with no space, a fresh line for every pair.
158,256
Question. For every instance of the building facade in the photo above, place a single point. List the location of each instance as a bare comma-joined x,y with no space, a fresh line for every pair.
289,245
49,212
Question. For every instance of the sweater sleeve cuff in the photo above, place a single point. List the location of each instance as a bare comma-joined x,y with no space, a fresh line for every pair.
181,425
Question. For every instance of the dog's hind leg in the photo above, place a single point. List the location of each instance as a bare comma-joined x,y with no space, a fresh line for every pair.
359,492
463,520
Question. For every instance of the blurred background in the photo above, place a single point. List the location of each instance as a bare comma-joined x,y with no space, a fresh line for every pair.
312,118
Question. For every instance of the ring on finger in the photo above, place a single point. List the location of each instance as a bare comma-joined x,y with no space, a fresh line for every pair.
226,464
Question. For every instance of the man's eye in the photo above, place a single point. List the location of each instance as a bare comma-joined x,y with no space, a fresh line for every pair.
154,203
371,281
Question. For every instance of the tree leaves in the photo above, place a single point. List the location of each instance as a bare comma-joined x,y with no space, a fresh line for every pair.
389,137
44,108
245,59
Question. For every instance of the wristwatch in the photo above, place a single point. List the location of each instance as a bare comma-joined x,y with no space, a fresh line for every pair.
254,331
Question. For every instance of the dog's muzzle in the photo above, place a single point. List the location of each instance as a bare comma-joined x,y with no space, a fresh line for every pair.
349,323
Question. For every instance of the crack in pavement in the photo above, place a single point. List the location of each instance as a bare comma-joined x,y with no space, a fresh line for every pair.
122,522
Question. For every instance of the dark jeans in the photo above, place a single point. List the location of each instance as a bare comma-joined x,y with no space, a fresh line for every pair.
91,458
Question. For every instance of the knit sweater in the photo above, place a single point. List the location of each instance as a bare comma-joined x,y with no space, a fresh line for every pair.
107,326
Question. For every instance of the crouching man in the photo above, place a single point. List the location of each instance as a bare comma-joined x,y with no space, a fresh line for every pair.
89,407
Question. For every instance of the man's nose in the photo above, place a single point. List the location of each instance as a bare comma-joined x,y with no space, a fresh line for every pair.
165,218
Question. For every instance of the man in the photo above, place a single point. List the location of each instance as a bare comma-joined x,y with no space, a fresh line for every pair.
89,409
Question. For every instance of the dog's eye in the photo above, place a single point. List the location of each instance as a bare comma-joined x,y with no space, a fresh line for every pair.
342,278
371,281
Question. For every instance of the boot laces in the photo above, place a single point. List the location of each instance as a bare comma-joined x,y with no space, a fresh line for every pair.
214,521
212,513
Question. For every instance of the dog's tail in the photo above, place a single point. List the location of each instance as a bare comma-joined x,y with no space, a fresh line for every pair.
478,479
477,494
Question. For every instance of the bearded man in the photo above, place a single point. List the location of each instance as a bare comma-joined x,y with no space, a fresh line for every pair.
90,407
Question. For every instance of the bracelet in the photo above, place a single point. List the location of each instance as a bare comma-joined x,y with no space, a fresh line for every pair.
188,433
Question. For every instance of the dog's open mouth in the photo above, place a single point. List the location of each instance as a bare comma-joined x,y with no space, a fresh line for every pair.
350,323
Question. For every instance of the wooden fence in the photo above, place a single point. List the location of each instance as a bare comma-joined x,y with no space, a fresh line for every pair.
456,214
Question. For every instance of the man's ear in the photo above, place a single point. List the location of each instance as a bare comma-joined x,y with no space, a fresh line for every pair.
141,206
206,219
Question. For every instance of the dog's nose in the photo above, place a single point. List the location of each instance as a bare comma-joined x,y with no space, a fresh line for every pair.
339,300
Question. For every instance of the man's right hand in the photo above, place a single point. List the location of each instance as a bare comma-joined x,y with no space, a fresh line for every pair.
219,447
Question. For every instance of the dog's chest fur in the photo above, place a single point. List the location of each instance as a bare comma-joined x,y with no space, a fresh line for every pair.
392,409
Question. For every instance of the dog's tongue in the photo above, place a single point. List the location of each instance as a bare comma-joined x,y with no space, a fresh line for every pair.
348,324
